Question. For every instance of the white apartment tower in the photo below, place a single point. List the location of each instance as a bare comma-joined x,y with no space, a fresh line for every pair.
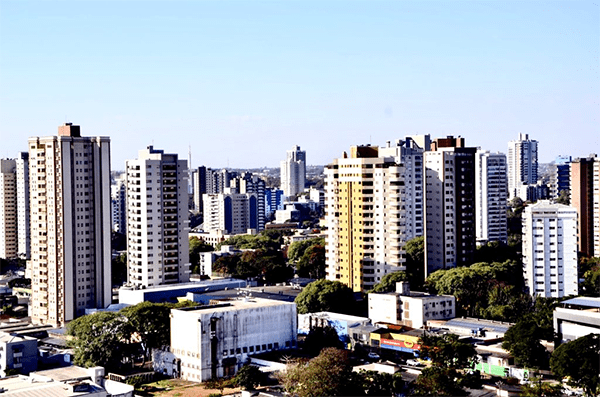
232,212
491,196
8,209
365,214
23,234
293,172
69,185
522,166
157,219
118,194
550,249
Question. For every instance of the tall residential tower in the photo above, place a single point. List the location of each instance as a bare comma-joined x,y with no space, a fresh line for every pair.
293,172
69,184
157,219
522,166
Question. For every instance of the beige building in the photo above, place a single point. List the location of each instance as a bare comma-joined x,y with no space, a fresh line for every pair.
8,209
374,205
157,219
70,266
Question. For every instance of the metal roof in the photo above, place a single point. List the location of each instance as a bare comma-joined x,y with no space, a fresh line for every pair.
468,323
581,301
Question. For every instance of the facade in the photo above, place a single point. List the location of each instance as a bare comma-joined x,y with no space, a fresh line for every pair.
365,218
215,341
450,204
157,219
69,186
252,184
522,165
118,196
273,201
550,249
293,172
232,212
8,209
413,309
18,353
585,197
491,197
23,233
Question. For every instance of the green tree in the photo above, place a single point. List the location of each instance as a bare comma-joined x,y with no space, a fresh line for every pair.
447,355
328,374
579,360
321,337
99,339
388,282
563,197
326,295
248,377
447,351
537,388
312,262
296,249
522,340
437,381
415,262
375,383
196,247
150,323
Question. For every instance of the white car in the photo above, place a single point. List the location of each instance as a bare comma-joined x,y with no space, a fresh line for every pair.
373,356
413,362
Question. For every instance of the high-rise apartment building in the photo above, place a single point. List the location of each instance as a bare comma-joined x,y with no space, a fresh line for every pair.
366,206
8,209
157,219
293,172
69,185
449,204
585,197
273,201
23,233
248,183
522,166
491,195
560,180
118,194
550,249
232,212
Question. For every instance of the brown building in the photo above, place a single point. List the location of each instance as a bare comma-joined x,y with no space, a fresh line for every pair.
585,197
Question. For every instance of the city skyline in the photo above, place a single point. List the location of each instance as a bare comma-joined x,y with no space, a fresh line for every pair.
242,82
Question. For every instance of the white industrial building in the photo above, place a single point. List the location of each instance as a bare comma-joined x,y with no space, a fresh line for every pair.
491,197
69,187
550,249
410,308
157,219
576,317
209,342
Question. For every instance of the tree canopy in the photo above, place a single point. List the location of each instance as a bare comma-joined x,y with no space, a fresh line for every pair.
196,247
312,263
321,337
579,360
326,295
415,262
448,355
99,339
487,290
522,340
328,374
388,282
264,263
296,249
248,377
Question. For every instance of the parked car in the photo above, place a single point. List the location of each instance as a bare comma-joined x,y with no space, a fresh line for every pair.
412,362
373,356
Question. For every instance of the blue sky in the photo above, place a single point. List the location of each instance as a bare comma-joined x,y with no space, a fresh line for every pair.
244,81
